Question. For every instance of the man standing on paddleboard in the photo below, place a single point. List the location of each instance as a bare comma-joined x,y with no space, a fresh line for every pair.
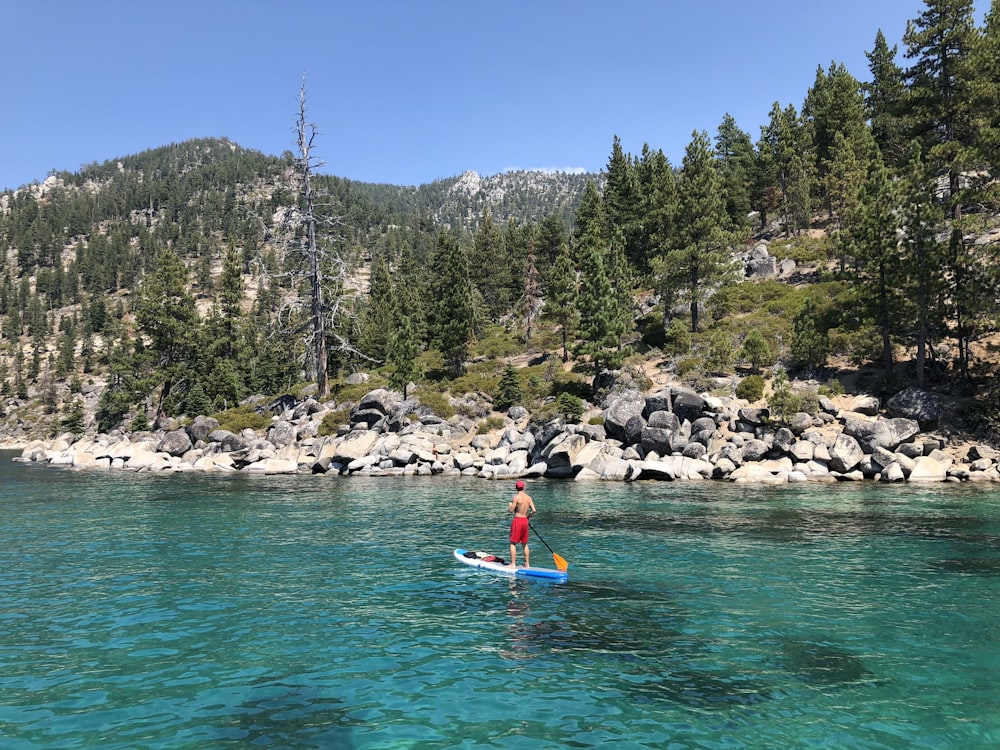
522,506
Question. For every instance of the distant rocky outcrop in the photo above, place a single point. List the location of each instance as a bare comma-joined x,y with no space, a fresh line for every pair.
671,434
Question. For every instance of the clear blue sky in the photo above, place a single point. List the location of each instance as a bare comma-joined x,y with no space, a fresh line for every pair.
406,92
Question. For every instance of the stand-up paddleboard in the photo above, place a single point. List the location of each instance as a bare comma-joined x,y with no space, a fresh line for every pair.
493,564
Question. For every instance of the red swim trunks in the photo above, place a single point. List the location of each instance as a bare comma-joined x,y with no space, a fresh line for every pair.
519,531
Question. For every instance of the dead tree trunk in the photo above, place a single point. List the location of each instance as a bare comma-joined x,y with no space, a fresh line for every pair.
306,133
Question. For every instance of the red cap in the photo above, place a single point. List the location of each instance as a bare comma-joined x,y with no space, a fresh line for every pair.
519,484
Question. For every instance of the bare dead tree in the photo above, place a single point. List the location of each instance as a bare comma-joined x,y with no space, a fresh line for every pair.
306,134
308,237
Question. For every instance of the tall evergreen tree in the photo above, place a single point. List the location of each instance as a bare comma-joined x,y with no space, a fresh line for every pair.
599,330
986,70
941,100
590,219
735,152
166,315
490,268
380,314
561,297
884,101
551,236
810,342
871,232
402,353
698,257
622,204
842,142
451,322
923,257
787,168
658,194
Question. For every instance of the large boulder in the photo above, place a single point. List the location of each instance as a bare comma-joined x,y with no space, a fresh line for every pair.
622,409
928,469
657,402
228,442
845,454
281,433
881,433
175,442
355,445
687,404
201,427
914,403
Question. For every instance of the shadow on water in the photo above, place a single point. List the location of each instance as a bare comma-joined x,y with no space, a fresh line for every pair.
281,714
636,638
650,652
987,566
821,664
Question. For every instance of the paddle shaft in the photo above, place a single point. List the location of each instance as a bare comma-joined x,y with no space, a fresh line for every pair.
559,560
540,537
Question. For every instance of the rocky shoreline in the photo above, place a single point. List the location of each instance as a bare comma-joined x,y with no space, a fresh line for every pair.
671,434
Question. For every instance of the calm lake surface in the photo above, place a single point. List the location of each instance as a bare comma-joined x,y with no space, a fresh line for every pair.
196,611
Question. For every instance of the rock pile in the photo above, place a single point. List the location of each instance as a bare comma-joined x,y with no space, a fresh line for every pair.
670,434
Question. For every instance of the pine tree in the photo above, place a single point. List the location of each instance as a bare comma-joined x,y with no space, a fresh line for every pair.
551,236
230,291
870,234
590,219
810,342
735,152
922,256
73,417
166,314
561,298
622,204
490,268
941,100
451,320
698,257
755,350
531,297
599,317
402,353
787,168
658,191
510,391
842,143
985,63
379,318
884,101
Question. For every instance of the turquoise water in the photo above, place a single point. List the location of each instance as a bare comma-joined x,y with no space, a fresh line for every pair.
193,611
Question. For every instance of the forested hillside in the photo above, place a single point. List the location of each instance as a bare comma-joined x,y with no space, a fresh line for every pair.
858,229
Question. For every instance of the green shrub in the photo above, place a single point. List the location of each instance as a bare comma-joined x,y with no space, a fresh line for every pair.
677,338
436,401
751,388
807,401
497,342
569,406
832,387
597,419
688,366
242,418
140,423
332,421
489,424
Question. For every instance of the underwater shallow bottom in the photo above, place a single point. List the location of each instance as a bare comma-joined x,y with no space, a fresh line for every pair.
192,611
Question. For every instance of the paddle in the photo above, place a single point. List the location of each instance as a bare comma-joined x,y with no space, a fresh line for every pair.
560,561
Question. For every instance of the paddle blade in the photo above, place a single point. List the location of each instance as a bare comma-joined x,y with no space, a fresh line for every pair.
560,562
